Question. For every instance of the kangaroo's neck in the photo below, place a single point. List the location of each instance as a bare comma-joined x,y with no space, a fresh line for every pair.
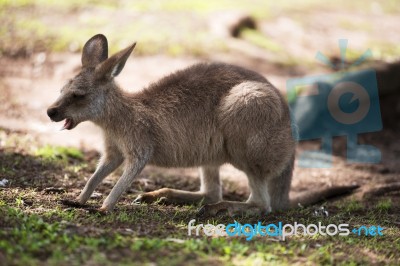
120,108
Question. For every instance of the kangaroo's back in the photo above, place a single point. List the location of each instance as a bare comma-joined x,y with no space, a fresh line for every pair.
209,108
196,86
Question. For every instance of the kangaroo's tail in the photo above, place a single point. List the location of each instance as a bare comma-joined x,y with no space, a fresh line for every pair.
312,197
307,198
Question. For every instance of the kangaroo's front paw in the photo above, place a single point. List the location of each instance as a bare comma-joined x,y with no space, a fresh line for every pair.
72,203
101,211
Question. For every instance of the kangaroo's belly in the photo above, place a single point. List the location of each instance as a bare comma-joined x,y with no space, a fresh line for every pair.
191,151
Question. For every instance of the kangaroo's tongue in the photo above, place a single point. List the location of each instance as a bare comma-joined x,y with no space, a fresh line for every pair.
67,124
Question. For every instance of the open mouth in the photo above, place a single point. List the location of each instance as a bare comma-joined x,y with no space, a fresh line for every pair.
68,124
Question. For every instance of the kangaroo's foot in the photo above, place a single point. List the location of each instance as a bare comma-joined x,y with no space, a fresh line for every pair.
73,203
232,208
175,196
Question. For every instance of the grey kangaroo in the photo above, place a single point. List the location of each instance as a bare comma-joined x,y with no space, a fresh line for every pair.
206,115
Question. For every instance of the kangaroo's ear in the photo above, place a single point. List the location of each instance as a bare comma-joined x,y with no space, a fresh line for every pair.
95,51
114,65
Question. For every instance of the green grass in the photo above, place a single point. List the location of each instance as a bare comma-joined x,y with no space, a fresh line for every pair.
352,206
258,39
58,153
45,238
384,205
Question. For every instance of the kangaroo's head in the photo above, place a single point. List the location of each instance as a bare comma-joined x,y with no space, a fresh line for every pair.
84,96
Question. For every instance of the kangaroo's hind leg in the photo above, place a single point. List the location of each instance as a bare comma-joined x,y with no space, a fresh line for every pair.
279,187
268,192
259,201
210,191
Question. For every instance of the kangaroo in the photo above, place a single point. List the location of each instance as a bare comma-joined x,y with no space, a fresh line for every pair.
205,115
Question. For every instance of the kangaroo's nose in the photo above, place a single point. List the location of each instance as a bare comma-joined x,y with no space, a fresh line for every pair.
52,113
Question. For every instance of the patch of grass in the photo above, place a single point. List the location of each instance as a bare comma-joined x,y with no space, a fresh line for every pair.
384,205
35,241
351,206
258,39
58,153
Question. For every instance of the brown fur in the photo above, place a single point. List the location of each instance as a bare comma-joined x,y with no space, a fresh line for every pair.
205,115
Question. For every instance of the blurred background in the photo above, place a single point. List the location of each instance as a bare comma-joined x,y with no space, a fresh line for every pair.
41,42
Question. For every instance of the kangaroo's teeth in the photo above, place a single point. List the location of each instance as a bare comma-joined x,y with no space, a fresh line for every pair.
67,124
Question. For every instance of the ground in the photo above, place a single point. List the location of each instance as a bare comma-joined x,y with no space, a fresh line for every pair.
43,166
